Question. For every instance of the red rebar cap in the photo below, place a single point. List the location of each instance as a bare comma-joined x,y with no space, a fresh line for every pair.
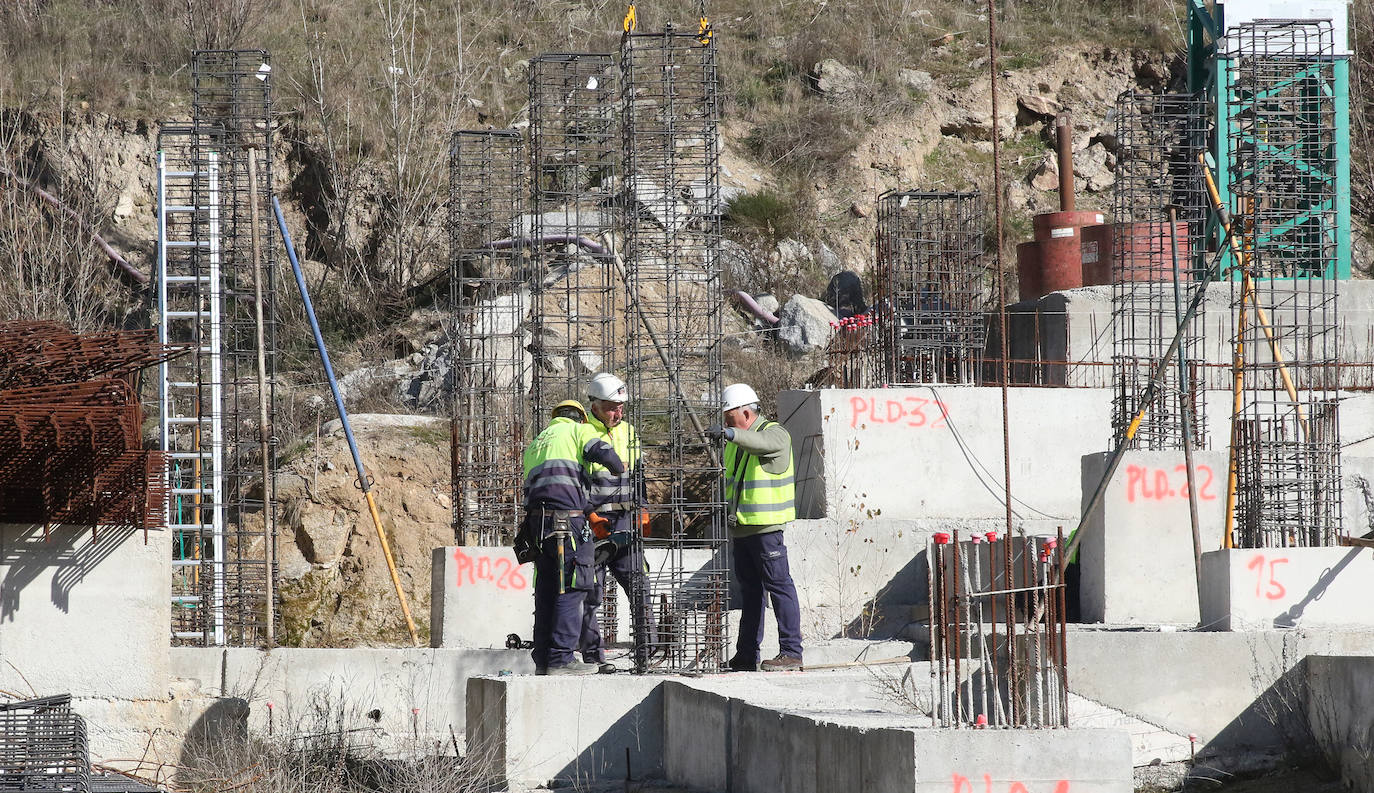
992,536
981,721
941,538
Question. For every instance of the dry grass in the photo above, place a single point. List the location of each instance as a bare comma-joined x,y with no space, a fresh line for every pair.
324,752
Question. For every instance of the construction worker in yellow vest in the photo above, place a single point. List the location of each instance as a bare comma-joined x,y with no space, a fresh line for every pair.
615,519
759,490
557,502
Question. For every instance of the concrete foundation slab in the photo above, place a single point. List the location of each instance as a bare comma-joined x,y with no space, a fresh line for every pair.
1266,588
1136,557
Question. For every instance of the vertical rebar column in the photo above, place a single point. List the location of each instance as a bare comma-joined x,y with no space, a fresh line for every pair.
1160,137
1281,103
929,295
675,306
231,105
490,297
572,171
1015,680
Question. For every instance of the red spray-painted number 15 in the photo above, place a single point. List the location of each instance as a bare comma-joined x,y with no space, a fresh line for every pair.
1275,590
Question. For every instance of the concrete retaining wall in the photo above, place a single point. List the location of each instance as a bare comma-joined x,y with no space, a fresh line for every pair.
815,732
89,613
1075,325
1261,589
1340,712
85,612
393,695
1242,694
739,741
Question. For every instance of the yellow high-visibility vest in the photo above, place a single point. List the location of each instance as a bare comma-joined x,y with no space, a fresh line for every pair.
759,498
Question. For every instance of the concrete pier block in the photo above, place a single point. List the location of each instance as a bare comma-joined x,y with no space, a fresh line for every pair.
530,731
478,595
1137,553
1268,588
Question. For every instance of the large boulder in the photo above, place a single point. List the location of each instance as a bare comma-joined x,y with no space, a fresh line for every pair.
834,80
805,324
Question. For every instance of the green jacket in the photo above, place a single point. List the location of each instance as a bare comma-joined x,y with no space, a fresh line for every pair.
759,479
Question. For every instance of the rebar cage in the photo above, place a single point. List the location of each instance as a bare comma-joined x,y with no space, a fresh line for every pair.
998,622
490,298
1158,248
572,171
43,746
928,293
1282,109
674,309
217,255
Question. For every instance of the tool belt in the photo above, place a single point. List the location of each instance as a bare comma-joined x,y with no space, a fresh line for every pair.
558,514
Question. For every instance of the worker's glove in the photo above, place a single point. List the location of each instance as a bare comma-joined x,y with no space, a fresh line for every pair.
601,527
718,432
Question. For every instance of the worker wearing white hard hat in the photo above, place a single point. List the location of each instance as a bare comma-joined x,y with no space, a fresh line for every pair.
759,487
616,518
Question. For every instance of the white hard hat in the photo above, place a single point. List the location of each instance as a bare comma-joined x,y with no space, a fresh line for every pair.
608,388
737,396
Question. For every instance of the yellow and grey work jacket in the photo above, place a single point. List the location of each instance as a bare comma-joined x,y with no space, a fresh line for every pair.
558,465
760,479
615,492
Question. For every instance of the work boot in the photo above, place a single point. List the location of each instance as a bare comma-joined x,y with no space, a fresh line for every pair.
737,664
783,663
606,668
573,668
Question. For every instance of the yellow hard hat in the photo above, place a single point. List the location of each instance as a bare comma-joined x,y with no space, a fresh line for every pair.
569,403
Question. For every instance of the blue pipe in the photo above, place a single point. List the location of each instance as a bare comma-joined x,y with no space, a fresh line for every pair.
363,481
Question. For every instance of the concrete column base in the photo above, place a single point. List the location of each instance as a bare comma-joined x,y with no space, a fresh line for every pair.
1268,588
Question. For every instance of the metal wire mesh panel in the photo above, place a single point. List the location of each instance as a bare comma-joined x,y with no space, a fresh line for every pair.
490,294
572,170
231,106
1282,108
1155,262
675,307
998,643
43,746
928,294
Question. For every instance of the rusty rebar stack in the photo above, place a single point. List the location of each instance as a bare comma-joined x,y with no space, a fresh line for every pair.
71,428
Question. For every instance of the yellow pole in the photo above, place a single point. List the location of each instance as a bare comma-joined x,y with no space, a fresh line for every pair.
1232,469
1248,293
391,566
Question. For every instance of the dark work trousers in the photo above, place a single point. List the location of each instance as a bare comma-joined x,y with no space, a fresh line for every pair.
558,617
627,567
761,566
